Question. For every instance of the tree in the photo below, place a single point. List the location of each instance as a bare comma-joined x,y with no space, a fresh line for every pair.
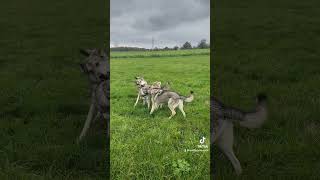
175,48
203,44
186,45
166,48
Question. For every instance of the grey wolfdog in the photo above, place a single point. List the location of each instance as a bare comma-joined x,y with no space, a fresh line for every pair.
147,92
173,99
97,69
142,86
223,119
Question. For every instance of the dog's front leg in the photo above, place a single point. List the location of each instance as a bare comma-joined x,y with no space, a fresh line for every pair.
148,101
87,123
137,100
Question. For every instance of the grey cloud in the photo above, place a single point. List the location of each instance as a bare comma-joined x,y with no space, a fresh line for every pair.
169,22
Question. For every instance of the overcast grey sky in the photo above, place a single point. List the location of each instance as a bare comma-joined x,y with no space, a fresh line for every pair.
169,22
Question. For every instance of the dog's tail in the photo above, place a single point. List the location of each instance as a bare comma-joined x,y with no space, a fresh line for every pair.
189,98
253,119
256,118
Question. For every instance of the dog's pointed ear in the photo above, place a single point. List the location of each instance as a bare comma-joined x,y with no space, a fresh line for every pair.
86,52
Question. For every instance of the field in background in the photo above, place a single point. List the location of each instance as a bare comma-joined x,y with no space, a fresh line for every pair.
44,98
145,146
171,53
270,46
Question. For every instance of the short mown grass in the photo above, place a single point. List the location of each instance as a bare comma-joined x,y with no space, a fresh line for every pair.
151,147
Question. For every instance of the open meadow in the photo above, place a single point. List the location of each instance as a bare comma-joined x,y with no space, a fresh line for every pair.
145,146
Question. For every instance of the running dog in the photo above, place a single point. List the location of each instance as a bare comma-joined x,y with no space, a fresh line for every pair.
223,119
96,68
173,100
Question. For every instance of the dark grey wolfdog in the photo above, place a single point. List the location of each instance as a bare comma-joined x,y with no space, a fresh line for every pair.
222,126
97,69
173,99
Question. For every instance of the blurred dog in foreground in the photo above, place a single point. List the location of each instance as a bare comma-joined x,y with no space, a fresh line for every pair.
223,119
97,69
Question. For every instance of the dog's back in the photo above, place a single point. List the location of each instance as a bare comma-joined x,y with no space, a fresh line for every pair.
249,119
166,95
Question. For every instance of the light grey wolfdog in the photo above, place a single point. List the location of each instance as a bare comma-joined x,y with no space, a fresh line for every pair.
223,119
142,86
147,92
173,99
97,69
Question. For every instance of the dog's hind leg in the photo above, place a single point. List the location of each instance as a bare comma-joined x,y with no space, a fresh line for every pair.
219,129
225,143
152,100
154,107
172,106
181,108
135,104
87,123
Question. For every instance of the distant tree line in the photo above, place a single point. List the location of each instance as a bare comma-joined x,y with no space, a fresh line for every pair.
128,49
187,45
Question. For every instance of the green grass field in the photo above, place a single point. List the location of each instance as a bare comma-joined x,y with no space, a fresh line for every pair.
151,147
270,46
144,54
44,98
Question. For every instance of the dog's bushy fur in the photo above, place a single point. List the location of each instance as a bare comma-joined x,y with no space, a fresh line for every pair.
223,118
97,69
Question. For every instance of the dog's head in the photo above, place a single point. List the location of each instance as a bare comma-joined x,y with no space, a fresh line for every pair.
156,85
140,81
166,86
96,64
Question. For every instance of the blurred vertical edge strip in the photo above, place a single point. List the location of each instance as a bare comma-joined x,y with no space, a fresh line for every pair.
212,162
107,46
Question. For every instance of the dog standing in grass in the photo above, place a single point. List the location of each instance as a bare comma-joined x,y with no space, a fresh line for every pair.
97,69
173,99
222,126
143,87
